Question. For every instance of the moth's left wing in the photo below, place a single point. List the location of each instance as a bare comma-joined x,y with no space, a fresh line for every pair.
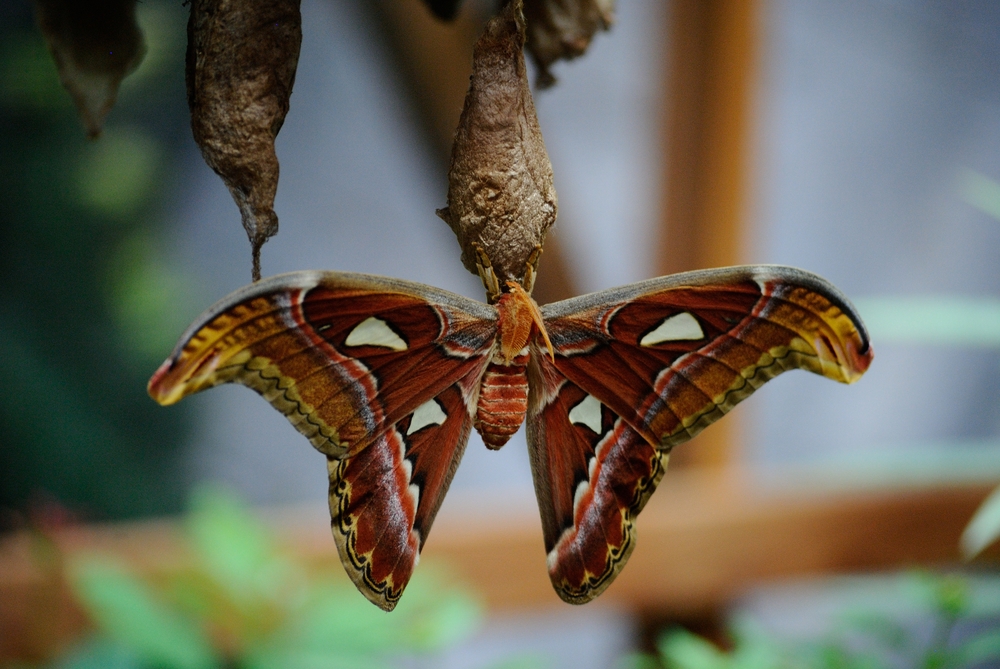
342,356
642,368
379,374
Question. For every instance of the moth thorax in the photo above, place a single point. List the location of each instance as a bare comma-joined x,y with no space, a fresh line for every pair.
503,400
517,317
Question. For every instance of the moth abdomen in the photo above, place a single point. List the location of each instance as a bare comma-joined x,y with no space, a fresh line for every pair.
503,400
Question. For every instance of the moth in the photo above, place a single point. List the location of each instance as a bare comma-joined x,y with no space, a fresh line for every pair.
387,378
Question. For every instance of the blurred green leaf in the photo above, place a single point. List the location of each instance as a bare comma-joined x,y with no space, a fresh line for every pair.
981,648
28,75
237,551
983,529
147,299
125,609
681,649
264,610
99,653
918,587
638,661
117,174
951,596
932,319
438,613
882,628
532,661
338,623
306,658
335,621
754,649
834,655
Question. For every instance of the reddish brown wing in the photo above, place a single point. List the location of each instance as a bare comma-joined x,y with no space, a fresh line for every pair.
383,500
593,474
377,373
643,368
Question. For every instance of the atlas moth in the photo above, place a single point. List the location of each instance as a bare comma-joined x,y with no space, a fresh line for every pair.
387,378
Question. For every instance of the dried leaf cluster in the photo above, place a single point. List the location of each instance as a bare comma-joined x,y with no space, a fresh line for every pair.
241,62
95,45
500,193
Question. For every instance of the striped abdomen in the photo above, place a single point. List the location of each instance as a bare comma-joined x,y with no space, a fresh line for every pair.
503,400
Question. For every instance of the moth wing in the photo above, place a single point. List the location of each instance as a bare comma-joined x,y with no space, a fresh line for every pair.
383,499
378,374
593,473
342,356
643,368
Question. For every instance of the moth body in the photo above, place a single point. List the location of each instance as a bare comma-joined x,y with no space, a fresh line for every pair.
503,393
503,399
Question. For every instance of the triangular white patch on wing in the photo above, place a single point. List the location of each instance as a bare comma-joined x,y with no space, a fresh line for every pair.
679,327
428,413
374,332
587,412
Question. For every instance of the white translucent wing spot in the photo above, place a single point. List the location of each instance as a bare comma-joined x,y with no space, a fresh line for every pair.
374,332
587,412
679,327
428,413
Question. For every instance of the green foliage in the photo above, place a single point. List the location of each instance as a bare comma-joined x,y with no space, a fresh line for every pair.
245,603
90,305
523,662
130,612
862,639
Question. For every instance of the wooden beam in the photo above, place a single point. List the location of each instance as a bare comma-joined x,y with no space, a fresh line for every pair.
706,536
712,57
703,539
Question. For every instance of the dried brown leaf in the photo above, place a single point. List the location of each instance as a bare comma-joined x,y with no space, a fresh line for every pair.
241,62
500,192
95,44
562,29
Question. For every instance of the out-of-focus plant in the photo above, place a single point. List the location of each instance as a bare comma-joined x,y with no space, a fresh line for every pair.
90,301
245,603
963,634
680,649
983,529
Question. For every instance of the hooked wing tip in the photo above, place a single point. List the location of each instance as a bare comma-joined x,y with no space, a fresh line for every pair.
861,359
159,387
844,353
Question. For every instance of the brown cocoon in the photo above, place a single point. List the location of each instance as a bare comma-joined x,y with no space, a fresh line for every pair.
500,192
241,61
95,44
563,29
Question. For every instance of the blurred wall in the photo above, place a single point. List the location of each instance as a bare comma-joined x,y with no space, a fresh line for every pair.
871,116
